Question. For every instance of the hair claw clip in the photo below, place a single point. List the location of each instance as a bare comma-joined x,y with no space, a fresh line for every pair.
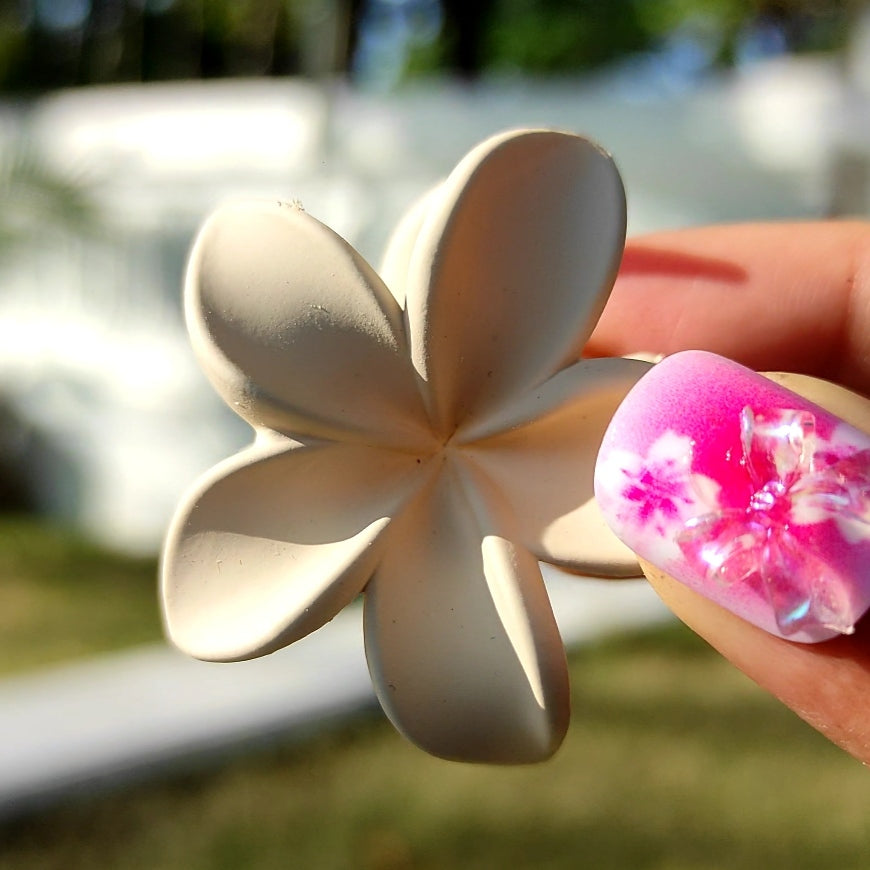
423,443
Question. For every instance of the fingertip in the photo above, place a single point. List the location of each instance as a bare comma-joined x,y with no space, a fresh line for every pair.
772,296
827,685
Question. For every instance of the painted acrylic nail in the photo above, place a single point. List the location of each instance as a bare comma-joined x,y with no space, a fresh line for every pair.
744,491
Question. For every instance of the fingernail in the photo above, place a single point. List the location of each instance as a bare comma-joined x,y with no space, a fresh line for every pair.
744,491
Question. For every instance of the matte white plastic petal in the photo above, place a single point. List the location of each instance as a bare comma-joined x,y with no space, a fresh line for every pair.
400,246
296,331
460,637
512,269
544,462
274,542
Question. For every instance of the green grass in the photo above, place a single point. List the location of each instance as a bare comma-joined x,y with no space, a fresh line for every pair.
674,761
63,598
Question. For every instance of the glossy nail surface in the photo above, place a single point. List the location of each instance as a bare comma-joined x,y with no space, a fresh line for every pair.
744,491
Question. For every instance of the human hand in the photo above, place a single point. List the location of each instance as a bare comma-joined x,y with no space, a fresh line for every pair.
774,297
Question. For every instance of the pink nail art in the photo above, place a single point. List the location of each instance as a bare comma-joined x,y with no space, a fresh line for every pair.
745,492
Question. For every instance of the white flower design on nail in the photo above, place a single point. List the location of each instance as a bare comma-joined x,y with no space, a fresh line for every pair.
655,494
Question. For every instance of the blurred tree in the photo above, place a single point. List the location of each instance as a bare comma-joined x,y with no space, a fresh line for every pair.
34,198
13,40
466,24
218,38
53,43
56,43
558,35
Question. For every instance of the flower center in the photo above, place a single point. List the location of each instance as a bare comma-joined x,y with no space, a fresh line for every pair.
655,494
771,505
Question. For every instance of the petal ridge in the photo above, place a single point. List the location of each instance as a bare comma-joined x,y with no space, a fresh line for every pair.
462,645
522,208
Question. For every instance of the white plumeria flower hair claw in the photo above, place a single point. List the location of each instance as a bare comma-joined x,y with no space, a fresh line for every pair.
424,441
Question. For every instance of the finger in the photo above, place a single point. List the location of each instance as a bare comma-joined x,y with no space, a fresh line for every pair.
826,684
792,297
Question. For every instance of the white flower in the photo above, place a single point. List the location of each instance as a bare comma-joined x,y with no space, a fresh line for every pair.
425,444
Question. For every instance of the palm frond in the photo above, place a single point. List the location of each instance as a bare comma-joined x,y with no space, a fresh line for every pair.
35,197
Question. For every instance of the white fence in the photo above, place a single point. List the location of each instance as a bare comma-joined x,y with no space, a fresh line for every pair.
92,350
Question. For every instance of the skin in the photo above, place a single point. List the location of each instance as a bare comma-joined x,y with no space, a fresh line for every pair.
775,297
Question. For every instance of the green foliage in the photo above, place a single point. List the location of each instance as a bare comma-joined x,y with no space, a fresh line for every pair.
662,16
131,40
563,35
34,198
62,597
12,48
128,40
553,36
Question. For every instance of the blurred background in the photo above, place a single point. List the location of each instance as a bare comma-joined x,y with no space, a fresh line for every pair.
122,123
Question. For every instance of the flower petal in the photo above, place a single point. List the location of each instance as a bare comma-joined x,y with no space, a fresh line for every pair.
400,246
461,640
806,594
296,330
544,462
273,542
779,447
723,546
512,269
